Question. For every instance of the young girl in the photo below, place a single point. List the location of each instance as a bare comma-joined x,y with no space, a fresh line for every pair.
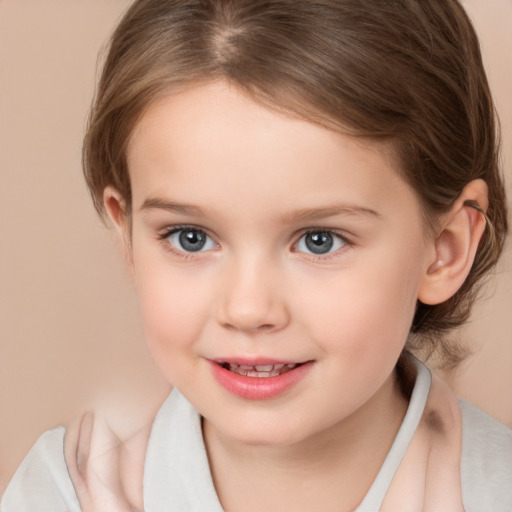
307,192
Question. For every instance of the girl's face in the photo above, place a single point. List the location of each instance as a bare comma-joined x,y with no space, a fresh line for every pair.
268,242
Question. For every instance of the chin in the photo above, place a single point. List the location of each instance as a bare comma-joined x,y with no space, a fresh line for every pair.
262,432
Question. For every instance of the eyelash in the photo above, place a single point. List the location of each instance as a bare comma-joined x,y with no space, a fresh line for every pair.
329,255
164,237
184,255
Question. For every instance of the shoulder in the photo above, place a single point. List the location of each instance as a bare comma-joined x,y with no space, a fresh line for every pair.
83,467
42,481
486,465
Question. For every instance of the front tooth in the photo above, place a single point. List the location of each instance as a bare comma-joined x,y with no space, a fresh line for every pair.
245,367
264,368
259,374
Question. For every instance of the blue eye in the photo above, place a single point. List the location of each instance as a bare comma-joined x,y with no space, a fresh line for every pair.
190,240
320,242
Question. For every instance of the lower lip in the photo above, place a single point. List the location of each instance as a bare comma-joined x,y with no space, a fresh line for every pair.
259,388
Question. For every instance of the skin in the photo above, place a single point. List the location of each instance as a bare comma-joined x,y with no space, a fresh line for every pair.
255,182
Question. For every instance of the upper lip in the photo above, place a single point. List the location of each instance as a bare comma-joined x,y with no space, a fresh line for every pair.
260,361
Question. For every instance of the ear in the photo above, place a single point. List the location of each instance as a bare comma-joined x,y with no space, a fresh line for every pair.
115,205
456,245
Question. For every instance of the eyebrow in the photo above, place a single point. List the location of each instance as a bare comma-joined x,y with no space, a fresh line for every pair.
301,214
155,203
310,214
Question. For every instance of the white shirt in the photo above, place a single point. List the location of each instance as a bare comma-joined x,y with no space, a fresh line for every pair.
177,477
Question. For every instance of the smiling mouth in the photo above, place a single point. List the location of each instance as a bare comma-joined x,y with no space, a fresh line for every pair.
263,380
261,371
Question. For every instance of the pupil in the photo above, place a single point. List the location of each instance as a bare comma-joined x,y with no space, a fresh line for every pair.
192,240
319,243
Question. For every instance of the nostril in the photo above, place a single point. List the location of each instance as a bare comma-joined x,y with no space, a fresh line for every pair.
263,313
256,328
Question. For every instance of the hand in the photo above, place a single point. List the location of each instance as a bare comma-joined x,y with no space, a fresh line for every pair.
94,456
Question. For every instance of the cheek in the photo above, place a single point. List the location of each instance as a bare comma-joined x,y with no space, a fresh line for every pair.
365,312
174,311
361,324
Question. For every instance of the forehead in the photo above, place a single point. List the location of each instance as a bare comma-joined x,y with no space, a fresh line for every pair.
216,143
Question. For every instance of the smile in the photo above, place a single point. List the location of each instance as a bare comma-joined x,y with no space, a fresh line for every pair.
259,381
262,371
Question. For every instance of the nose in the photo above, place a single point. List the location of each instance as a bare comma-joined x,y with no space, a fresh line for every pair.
252,299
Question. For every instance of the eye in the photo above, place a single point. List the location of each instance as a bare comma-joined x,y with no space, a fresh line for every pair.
320,242
190,240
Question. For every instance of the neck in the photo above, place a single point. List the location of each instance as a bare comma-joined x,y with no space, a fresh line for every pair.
334,467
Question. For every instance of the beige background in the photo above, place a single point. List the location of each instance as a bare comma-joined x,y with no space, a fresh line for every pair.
69,332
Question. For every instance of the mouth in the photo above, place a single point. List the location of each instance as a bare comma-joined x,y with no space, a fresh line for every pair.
261,380
261,370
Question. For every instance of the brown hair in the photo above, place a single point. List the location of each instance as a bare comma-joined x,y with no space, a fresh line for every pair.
405,71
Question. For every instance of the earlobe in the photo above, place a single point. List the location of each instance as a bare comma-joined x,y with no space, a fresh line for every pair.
456,245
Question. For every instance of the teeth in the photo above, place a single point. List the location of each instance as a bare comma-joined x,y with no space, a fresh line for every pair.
264,370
